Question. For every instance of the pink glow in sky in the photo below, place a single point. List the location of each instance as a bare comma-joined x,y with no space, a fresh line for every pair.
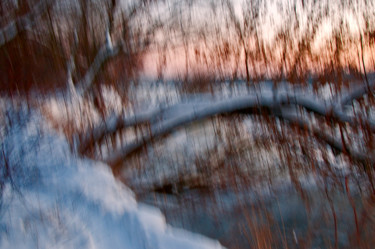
273,18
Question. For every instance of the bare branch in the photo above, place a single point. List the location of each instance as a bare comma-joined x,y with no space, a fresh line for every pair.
358,92
104,54
186,114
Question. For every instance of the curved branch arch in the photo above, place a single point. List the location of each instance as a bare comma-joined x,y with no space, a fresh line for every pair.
162,121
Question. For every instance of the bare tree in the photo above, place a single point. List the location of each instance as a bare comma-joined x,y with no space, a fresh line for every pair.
83,45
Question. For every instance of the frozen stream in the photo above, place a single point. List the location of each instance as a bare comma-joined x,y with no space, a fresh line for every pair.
275,212
231,214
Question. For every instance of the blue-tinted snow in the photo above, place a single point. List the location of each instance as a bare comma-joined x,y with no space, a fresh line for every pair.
56,200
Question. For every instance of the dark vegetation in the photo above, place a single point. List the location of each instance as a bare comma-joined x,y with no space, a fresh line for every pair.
84,46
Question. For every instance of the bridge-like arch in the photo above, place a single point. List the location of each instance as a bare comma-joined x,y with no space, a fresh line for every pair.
288,104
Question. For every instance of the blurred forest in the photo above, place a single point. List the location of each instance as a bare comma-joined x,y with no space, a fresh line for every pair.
300,72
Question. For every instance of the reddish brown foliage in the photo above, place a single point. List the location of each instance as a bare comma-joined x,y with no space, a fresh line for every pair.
26,65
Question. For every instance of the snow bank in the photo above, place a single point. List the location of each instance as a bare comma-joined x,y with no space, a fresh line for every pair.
56,200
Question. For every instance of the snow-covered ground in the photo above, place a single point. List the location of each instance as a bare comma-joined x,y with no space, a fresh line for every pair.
53,199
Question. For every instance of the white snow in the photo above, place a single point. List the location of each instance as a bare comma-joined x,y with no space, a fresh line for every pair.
57,200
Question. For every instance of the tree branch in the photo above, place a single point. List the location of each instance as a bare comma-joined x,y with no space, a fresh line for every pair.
104,54
357,93
243,104
206,109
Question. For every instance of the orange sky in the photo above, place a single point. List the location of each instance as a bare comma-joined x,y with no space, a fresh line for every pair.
176,63
350,16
